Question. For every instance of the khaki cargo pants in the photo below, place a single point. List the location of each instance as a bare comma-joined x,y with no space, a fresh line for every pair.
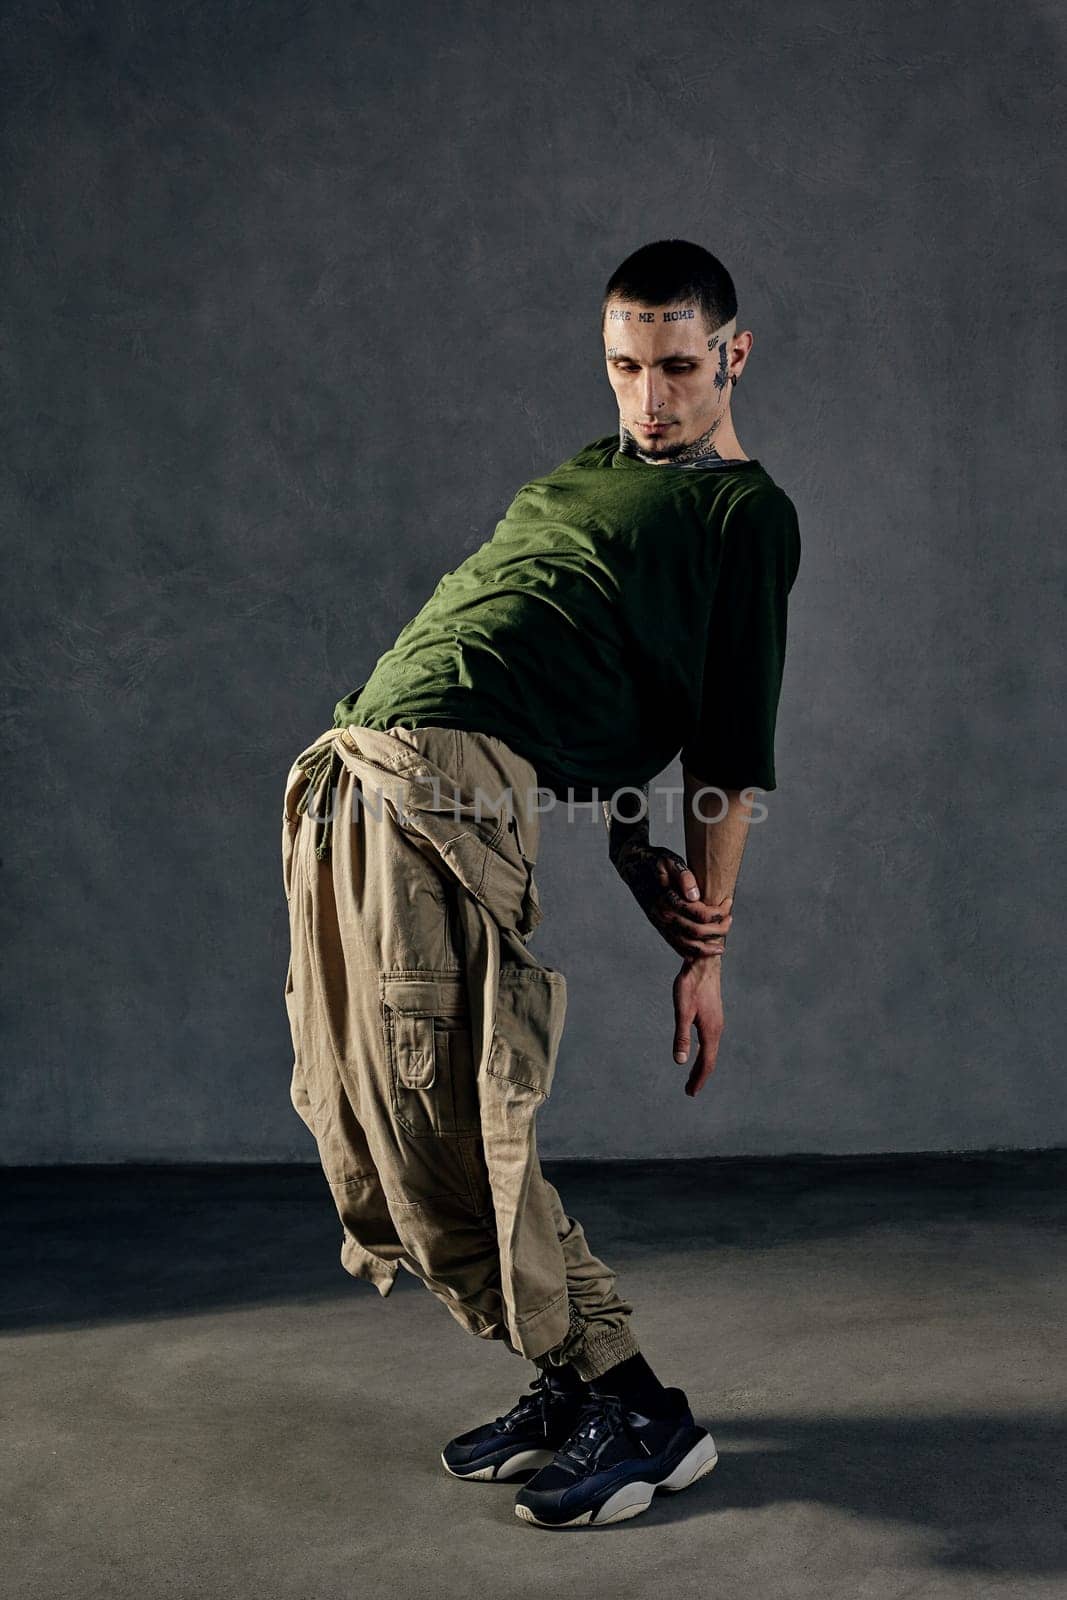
425,1034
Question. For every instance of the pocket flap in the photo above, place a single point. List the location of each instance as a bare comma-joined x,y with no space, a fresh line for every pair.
531,1008
427,997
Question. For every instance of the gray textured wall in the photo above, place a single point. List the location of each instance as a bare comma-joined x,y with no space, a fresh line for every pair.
258,260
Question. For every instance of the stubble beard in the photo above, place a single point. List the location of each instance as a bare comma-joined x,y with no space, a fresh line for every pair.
662,450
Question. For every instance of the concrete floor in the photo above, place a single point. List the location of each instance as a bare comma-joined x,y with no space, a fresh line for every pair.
199,1401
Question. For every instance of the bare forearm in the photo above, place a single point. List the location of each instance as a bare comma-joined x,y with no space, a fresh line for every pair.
714,849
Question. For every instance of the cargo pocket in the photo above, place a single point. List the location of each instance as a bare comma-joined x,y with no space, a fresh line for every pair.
531,1008
426,1017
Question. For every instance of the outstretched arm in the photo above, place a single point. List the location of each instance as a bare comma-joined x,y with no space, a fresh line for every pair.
714,849
734,735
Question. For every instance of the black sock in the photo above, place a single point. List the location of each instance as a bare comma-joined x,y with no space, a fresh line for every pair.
635,1384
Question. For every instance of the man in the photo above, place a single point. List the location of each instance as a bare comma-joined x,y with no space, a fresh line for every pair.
630,606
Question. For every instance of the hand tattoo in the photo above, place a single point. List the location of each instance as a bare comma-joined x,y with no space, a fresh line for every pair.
636,860
638,867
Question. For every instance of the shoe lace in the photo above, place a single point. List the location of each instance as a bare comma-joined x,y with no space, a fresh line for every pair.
601,1418
540,1400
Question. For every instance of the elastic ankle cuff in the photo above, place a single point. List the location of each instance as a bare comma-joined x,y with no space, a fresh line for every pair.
598,1352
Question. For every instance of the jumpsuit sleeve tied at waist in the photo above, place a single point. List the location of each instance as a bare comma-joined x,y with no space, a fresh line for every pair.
319,765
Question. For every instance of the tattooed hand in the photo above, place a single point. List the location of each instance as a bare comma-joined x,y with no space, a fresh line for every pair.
666,890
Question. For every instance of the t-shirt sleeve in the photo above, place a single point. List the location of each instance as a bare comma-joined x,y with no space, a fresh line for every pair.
732,745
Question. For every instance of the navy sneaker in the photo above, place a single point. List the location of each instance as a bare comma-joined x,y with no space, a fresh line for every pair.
524,1438
614,1461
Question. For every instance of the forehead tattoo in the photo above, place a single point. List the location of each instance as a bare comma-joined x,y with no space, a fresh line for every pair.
718,341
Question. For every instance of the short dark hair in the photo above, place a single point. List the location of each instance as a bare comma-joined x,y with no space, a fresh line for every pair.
671,270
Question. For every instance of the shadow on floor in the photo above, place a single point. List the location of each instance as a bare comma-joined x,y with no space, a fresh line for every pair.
90,1244
989,1492
944,1467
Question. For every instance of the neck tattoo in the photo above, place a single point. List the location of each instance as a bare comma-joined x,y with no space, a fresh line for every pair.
701,453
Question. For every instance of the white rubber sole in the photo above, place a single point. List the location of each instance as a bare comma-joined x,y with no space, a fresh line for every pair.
507,1469
633,1498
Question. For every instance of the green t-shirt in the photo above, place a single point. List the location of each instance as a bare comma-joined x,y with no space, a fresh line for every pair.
620,614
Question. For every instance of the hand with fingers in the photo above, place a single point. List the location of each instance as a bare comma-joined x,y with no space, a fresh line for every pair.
698,1003
667,891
